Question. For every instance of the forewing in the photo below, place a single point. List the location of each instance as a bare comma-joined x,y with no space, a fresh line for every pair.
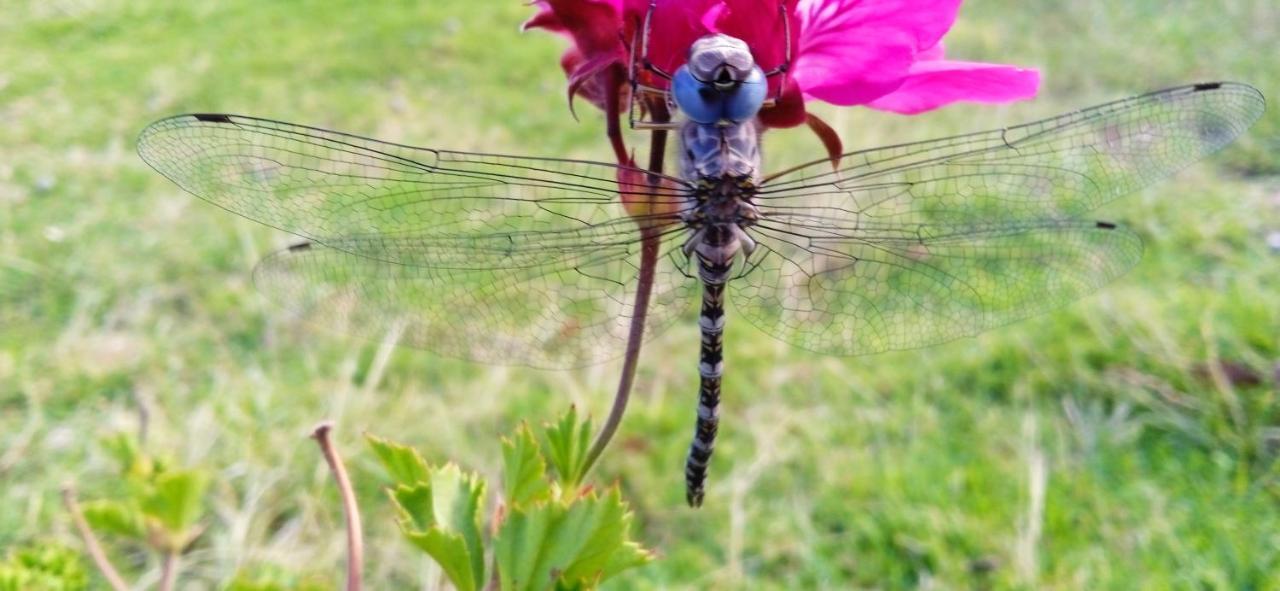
322,184
482,300
1059,168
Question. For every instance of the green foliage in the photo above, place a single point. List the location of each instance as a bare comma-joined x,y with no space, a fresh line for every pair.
567,443
575,544
275,579
524,470
172,504
404,464
440,511
43,567
543,540
116,518
162,506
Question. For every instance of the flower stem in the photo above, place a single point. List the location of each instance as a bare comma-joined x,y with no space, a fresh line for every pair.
613,117
648,260
650,242
351,511
91,542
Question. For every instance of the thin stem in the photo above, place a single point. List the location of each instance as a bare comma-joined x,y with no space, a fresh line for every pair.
91,542
613,116
351,511
650,241
169,571
648,260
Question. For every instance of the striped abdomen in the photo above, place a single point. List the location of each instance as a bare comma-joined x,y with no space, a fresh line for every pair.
715,259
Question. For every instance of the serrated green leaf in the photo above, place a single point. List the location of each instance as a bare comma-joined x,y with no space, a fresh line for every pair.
449,549
568,440
414,502
574,546
173,501
115,518
457,498
544,542
403,463
629,555
524,469
441,515
609,522
518,546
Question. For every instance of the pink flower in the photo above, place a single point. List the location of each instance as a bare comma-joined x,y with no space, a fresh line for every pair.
599,52
884,54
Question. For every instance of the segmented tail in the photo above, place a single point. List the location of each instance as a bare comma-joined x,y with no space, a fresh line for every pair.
710,368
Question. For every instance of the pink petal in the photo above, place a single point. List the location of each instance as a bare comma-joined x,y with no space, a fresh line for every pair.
676,25
854,51
923,22
789,109
712,15
758,23
933,84
936,52
545,19
851,72
587,78
595,26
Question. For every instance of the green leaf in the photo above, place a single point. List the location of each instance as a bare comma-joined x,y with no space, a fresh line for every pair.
608,552
567,443
629,555
450,550
524,470
457,498
173,501
124,449
115,518
403,463
419,524
441,515
553,545
518,547
44,567
416,510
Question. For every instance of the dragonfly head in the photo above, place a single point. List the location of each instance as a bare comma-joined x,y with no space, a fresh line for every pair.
720,83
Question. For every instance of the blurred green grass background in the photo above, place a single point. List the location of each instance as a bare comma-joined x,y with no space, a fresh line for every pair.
1126,442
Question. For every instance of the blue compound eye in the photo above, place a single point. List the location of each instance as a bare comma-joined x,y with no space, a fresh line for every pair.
704,103
696,99
745,101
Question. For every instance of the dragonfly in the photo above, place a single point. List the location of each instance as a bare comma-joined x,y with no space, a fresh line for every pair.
538,261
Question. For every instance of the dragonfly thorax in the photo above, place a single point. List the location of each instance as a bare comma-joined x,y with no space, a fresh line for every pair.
723,162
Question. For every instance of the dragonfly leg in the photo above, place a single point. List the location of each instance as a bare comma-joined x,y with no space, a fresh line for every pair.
692,243
744,239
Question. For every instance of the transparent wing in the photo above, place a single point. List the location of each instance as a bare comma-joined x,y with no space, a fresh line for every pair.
323,184
495,258
896,288
481,300
918,244
1058,168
